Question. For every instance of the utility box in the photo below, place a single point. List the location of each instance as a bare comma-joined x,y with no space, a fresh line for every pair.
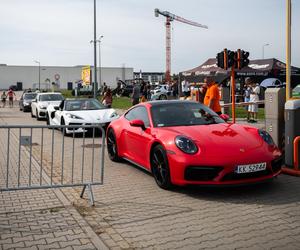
225,98
292,129
274,114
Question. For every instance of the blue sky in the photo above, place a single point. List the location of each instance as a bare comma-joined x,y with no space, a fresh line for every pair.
58,32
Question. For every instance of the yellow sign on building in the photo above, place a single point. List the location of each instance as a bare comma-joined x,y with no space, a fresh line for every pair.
86,75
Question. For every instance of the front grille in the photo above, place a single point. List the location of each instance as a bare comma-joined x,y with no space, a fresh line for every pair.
277,164
201,173
75,124
235,176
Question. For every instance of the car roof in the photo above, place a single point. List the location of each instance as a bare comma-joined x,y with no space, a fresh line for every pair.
80,99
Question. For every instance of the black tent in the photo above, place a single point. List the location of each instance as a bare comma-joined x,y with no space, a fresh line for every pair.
257,69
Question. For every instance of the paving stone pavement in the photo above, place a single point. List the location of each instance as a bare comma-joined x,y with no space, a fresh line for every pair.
131,212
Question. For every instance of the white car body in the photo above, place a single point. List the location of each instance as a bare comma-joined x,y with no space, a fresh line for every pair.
65,116
160,92
42,101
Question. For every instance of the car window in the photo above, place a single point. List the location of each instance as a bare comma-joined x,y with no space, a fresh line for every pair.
140,113
29,96
51,97
183,114
90,104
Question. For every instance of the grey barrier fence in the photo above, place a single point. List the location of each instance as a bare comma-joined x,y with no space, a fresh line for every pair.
39,157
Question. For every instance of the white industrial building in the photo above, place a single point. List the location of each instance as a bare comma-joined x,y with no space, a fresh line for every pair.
66,77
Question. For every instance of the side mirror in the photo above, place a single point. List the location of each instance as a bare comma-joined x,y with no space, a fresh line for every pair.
33,100
137,123
56,108
224,117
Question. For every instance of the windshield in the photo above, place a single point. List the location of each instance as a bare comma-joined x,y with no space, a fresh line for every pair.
90,104
183,114
30,96
51,97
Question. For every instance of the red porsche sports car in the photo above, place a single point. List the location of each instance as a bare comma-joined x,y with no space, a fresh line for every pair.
185,142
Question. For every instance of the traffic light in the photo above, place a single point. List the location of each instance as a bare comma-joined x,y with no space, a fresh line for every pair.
231,58
244,58
221,59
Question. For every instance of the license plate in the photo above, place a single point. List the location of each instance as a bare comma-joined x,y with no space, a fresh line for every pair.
251,168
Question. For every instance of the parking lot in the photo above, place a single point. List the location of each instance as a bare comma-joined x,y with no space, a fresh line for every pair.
131,212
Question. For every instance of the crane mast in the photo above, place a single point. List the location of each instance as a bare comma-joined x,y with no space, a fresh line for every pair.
169,18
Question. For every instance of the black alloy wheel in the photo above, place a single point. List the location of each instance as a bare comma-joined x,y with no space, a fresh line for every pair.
47,119
112,147
160,167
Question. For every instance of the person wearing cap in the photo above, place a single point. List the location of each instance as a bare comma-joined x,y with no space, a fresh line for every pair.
212,96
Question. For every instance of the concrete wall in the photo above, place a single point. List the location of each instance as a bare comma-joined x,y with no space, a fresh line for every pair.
29,75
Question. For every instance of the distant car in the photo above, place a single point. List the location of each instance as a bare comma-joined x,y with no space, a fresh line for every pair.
80,112
160,92
25,101
40,103
13,87
296,91
185,142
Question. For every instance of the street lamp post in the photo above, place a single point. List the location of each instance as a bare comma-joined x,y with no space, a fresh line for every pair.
263,50
95,52
99,41
39,74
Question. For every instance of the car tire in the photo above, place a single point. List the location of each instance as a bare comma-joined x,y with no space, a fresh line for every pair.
47,120
162,97
112,147
32,114
37,115
160,167
63,131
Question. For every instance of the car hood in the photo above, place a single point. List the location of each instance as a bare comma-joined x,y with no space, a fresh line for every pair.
214,138
95,116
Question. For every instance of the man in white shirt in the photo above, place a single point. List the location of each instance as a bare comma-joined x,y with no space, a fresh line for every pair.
253,108
185,88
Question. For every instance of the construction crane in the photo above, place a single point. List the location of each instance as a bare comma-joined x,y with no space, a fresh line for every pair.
169,18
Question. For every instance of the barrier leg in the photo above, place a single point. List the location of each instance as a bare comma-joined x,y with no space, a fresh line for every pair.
295,171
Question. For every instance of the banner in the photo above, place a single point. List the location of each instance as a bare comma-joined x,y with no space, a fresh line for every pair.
86,75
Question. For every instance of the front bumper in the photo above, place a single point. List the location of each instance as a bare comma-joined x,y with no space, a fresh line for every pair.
184,172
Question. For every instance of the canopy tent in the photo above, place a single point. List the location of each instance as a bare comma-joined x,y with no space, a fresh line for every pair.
209,68
257,69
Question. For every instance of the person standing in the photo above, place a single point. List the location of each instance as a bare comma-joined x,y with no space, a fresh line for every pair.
253,108
212,96
3,99
107,98
136,94
11,95
185,88
247,91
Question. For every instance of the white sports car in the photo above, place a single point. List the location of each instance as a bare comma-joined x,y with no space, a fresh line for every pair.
160,92
80,112
42,101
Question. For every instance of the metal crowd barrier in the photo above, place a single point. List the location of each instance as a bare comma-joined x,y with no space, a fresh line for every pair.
242,103
39,157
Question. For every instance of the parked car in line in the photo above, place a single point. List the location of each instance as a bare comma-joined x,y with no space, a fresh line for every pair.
40,103
80,112
25,101
185,142
160,92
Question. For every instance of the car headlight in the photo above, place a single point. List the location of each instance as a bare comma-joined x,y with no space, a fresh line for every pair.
42,107
266,137
186,144
114,114
26,103
72,116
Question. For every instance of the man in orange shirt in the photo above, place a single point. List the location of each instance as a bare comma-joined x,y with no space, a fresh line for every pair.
212,96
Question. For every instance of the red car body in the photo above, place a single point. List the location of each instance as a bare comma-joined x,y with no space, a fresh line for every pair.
220,149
